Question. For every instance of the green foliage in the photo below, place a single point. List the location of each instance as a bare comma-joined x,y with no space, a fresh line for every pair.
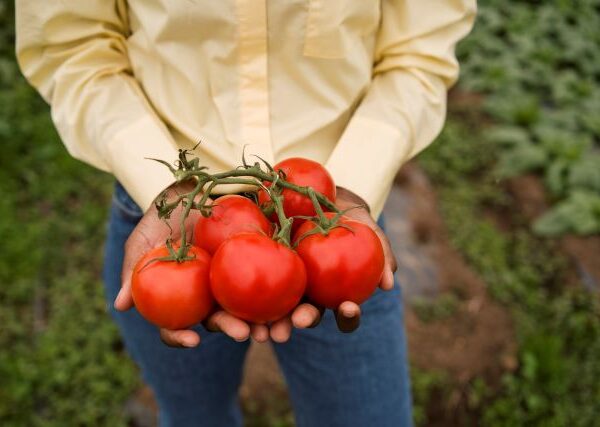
558,327
426,386
557,382
58,364
539,64
579,212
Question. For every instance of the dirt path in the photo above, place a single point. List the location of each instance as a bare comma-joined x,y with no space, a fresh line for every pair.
472,338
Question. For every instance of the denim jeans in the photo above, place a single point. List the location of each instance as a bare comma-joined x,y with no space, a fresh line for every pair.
334,379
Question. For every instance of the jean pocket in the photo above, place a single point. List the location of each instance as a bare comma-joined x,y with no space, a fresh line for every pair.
124,205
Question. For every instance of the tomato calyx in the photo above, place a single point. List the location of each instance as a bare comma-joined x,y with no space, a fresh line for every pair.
174,255
325,223
172,295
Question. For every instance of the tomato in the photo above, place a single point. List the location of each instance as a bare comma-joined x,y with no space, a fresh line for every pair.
307,173
257,279
169,294
230,214
344,265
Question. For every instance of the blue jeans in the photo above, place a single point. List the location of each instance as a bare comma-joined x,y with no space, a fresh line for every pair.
334,379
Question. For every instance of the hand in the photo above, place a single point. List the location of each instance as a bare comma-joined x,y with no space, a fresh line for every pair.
348,313
150,233
346,199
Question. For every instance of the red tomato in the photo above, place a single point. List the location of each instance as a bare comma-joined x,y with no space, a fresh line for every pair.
257,279
343,265
169,294
307,173
230,215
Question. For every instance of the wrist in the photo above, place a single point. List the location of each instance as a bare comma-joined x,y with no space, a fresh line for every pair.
170,193
346,198
180,187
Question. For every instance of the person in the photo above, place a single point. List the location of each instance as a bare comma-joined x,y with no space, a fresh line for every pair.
359,86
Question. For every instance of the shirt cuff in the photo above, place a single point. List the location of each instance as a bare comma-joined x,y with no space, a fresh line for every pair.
367,158
128,153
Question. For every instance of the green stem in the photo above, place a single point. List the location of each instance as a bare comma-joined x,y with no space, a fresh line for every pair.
202,203
313,197
260,175
285,231
246,175
182,252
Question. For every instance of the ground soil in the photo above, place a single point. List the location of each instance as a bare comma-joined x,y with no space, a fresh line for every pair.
583,252
478,338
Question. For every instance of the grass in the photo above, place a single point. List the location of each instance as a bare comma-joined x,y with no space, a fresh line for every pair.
60,357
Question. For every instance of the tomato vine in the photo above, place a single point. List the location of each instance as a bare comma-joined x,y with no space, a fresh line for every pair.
189,169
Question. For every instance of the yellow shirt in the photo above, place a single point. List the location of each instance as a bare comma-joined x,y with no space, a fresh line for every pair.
358,85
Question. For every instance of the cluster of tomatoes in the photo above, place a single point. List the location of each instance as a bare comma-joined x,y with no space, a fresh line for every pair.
236,263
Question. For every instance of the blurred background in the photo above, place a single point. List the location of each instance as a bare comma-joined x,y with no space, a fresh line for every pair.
496,225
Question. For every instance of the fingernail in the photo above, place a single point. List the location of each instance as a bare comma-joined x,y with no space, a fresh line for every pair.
189,342
307,319
241,339
348,312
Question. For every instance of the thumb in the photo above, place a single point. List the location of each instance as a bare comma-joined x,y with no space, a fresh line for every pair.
135,247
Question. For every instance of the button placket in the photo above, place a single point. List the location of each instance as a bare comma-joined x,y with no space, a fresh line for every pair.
253,78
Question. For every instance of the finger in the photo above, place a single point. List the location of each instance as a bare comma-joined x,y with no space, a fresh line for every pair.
281,330
124,301
390,265
387,250
179,338
135,247
306,316
387,279
260,333
221,321
347,316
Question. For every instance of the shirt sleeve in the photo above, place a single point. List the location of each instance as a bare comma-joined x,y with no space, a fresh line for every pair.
74,53
405,107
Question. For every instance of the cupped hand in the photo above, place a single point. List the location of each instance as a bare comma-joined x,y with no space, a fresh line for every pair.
345,200
348,313
150,233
